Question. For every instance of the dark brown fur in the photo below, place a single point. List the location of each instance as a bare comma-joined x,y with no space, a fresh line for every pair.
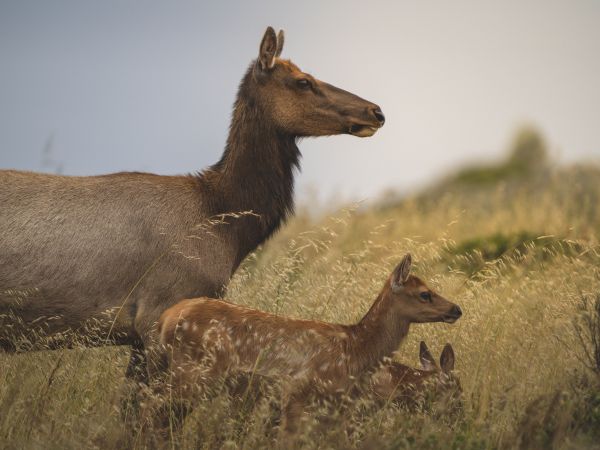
111,253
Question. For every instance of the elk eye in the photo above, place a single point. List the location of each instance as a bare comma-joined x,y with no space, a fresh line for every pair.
303,83
426,296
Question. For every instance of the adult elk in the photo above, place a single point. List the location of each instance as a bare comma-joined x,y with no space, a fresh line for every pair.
113,252
206,339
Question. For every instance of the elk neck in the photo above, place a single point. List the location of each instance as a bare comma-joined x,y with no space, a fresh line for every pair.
378,334
255,173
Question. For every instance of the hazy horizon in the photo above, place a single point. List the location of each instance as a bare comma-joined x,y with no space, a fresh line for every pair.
128,86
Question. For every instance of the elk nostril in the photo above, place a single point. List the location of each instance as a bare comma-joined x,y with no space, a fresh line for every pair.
457,311
379,115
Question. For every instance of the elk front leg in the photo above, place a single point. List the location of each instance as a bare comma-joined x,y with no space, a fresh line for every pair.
137,369
136,377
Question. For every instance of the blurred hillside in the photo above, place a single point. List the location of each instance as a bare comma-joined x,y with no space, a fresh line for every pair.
524,199
527,163
527,158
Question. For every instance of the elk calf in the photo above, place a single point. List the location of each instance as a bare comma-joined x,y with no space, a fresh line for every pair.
403,385
206,339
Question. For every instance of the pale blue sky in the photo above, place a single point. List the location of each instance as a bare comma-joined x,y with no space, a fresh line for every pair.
148,85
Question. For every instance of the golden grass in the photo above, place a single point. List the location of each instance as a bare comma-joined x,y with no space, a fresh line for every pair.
520,362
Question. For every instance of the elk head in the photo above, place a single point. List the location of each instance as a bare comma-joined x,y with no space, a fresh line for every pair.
415,301
299,104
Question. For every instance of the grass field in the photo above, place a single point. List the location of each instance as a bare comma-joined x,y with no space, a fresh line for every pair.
518,252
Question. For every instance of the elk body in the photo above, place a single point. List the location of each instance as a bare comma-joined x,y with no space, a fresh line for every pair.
116,250
206,339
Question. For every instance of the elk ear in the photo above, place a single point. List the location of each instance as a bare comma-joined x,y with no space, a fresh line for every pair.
268,50
280,39
447,359
427,361
401,273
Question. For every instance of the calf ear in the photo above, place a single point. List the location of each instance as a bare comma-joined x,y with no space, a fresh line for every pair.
268,50
447,359
401,273
427,361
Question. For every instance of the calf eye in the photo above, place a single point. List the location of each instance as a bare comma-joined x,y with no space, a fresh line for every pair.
425,296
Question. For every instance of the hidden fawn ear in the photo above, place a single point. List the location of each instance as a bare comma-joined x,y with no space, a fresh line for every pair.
427,361
268,49
401,273
447,359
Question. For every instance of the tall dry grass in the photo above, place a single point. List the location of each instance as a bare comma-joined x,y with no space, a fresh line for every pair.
521,258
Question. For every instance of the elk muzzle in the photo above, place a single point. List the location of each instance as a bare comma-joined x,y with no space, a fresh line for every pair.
373,120
453,315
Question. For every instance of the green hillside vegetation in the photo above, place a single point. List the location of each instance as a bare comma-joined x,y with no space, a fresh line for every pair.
514,244
528,157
